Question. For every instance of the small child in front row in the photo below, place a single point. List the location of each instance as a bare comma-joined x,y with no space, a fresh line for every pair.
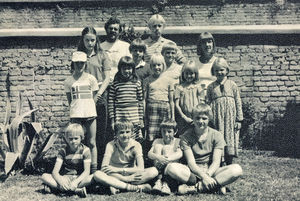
159,90
188,94
224,97
164,151
81,89
125,98
71,172
123,164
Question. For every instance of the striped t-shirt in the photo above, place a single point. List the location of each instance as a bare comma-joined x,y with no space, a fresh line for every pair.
73,163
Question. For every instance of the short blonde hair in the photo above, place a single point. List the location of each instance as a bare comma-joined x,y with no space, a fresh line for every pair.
219,62
74,129
169,46
156,19
202,108
157,59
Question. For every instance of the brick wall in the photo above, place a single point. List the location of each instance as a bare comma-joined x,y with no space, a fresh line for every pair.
266,67
193,12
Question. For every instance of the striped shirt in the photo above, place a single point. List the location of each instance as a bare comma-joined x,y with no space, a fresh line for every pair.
73,162
124,95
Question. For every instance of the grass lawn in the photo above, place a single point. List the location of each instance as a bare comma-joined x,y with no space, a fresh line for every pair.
266,177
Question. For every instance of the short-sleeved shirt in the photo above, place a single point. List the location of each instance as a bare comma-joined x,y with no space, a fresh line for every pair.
154,47
82,102
97,64
202,148
158,89
123,157
73,163
173,72
115,50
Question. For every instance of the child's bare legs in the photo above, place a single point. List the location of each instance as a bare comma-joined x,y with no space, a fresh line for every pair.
105,179
91,142
50,181
144,176
179,172
228,174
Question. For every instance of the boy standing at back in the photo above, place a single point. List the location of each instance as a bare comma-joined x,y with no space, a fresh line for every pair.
71,172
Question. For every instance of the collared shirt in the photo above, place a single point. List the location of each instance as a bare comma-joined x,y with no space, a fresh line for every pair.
156,47
97,64
123,157
204,146
73,163
115,50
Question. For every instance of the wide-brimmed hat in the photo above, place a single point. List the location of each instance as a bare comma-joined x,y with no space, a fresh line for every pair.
79,56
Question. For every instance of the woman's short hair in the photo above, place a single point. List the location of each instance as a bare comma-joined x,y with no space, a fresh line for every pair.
123,124
202,108
74,129
157,59
169,46
137,43
190,66
205,36
219,62
156,19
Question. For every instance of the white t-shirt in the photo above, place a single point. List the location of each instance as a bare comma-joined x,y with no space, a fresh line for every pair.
205,76
82,102
115,51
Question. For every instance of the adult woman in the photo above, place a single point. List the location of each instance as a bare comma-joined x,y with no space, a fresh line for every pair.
205,49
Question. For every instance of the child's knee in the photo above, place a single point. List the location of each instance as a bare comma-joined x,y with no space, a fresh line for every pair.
45,177
152,172
236,170
178,171
99,175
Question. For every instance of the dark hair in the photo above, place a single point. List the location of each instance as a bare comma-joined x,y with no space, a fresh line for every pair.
137,43
190,66
126,61
205,36
81,46
112,20
168,123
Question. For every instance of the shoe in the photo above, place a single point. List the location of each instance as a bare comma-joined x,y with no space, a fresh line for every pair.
165,190
222,191
185,189
157,187
81,192
144,188
114,190
47,189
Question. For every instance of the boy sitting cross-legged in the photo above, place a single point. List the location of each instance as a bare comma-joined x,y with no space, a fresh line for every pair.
123,164
71,172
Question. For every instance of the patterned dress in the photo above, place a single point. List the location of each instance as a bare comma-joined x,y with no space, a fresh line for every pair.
226,105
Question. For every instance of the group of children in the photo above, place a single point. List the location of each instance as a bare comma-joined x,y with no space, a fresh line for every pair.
147,103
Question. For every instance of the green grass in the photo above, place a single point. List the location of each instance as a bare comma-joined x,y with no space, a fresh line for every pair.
266,177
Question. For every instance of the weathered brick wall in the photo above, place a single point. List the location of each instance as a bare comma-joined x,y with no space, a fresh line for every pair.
266,67
193,12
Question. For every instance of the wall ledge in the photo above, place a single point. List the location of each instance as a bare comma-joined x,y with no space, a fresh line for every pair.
236,29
